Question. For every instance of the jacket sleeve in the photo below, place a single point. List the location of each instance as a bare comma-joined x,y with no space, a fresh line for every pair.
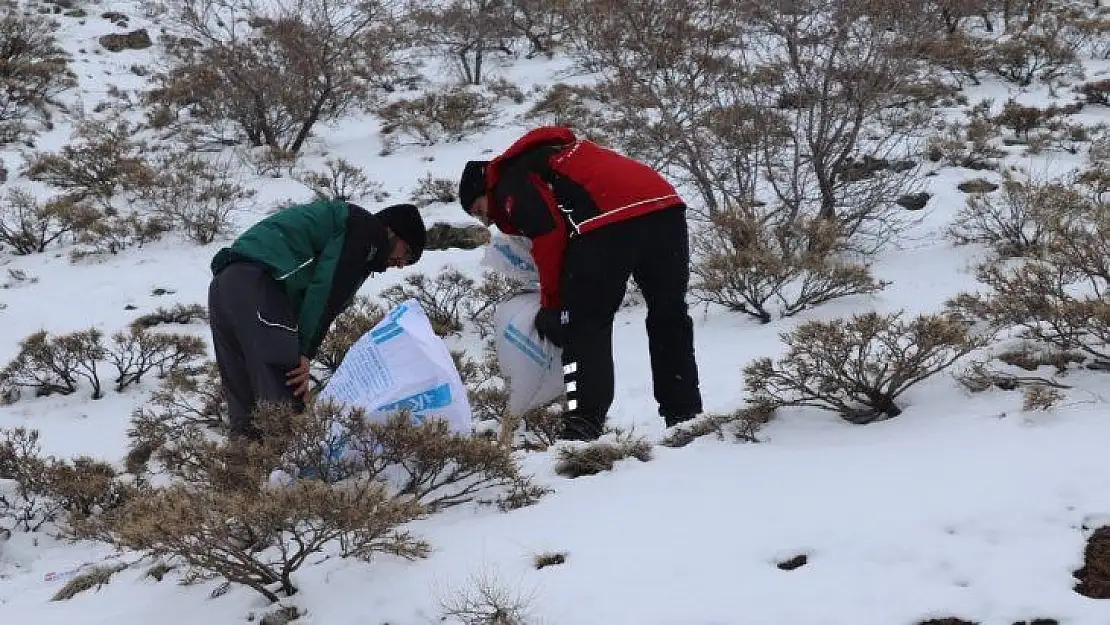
532,211
311,319
293,237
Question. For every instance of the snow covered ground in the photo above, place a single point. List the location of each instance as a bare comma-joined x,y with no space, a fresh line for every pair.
962,506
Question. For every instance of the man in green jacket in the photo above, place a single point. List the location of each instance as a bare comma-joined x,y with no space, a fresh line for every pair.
277,289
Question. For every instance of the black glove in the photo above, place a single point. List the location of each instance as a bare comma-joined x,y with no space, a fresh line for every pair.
550,326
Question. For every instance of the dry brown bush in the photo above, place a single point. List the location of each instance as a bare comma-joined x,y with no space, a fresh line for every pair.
101,159
269,73
1061,297
452,299
750,262
601,455
138,352
34,70
743,425
1014,222
28,226
1040,398
859,366
488,396
177,314
112,232
463,31
1033,56
1096,92
57,364
92,579
341,180
449,115
431,190
194,195
810,98
182,410
487,601
25,506
222,514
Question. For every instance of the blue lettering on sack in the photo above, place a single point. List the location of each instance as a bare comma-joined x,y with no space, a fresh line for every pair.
390,329
515,259
531,349
431,399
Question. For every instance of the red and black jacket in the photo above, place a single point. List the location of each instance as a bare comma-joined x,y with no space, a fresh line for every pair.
550,186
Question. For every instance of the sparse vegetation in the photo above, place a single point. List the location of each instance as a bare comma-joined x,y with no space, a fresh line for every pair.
600,456
858,366
438,116
34,70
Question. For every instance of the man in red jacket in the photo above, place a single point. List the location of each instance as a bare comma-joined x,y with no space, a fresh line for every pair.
595,218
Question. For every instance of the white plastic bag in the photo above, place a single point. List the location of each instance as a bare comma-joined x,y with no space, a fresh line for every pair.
511,256
401,364
532,367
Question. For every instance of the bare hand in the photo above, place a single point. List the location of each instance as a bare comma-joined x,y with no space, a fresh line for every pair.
299,378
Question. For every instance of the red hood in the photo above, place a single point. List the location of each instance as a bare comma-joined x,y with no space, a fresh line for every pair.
544,135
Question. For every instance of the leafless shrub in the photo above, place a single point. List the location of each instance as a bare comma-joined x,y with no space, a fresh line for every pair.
743,424
35,71
541,22
1015,222
488,396
177,314
599,456
1024,119
576,106
486,602
102,159
1040,398
982,375
341,180
443,298
463,31
259,536
29,226
670,78
93,579
430,190
422,461
195,195
961,55
1031,56
448,115
1096,92
745,260
269,73
112,232
1058,298
181,411
58,364
138,352
858,366
26,506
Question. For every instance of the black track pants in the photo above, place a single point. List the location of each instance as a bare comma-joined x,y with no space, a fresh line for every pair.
654,250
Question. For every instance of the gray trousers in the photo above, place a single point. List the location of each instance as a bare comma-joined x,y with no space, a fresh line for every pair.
254,334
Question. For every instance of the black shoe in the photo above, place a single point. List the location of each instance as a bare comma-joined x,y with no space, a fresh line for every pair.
579,428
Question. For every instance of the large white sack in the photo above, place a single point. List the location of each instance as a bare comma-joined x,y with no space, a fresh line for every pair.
511,256
532,367
401,364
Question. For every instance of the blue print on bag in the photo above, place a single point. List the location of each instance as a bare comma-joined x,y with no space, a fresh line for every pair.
515,259
431,399
530,348
391,329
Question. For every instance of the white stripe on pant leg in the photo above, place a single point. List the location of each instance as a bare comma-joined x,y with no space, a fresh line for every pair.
569,368
571,386
572,404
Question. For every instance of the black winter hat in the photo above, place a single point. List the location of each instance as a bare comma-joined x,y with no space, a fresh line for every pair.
405,222
472,185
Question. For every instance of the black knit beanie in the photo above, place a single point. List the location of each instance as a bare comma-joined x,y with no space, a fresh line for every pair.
472,185
405,222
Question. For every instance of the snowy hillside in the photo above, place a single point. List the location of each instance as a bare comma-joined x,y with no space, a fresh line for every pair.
976,501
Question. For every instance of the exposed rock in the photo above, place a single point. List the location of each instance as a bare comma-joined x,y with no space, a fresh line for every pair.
913,202
977,185
134,40
443,236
